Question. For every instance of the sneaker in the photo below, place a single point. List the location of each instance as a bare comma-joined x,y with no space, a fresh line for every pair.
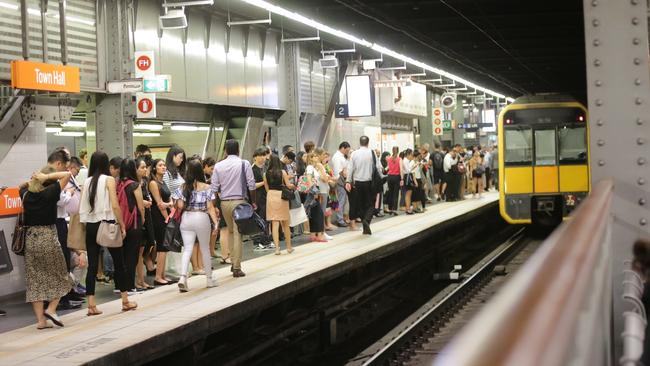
269,246
116,291
182,284
328,237
209,282
258,247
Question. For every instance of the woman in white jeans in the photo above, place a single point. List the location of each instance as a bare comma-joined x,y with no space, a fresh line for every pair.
194,198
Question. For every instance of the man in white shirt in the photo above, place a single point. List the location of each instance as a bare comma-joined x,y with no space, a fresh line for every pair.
450,159
359,184
338,163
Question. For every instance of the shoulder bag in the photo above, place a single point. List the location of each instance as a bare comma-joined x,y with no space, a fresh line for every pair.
109,235
377,183
173,241
20,232
76,234
247,220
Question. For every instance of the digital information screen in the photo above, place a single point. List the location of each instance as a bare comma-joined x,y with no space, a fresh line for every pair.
360,98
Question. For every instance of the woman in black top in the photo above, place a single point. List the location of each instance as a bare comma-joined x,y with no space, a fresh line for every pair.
133,217
160,212
46,274
277,209
148,243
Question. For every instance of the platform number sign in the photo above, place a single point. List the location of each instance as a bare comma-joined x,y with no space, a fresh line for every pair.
437,122
144,66
146,105
341,111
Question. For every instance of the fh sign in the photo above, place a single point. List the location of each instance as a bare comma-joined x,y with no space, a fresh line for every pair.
144,66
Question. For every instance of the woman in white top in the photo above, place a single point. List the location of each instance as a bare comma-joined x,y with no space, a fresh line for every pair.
99,203
316,215
175,162
324,181
410,183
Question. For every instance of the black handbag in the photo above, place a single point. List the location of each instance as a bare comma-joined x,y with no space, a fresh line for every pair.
377,182
247,220
287,194
20,232
173,241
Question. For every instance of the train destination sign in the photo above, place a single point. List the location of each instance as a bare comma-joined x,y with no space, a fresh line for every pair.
41,76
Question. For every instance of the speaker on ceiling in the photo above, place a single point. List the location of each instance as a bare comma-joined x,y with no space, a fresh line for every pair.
448,102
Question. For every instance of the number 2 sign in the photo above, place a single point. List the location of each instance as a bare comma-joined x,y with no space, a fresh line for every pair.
341,111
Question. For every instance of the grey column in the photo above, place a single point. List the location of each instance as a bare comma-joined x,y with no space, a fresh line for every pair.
425,124
115,113
289,122
616,41
459,116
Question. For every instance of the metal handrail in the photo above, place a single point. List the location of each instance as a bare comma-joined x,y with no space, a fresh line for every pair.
535,317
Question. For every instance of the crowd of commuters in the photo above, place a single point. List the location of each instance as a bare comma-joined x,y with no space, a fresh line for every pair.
309,191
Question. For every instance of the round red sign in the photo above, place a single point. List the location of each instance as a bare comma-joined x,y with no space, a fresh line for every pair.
437,130
436,112
143,63
145,105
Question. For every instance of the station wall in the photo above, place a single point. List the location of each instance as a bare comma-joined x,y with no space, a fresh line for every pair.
26,156
212,63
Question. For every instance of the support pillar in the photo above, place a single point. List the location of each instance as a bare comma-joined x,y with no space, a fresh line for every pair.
425,124
459,116
115,113
289,122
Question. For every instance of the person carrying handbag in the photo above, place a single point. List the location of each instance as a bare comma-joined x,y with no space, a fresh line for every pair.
100,211
278,187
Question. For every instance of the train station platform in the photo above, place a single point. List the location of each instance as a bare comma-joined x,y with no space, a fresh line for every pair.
166,319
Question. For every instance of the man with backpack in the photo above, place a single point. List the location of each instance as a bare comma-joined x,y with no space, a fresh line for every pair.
437,162
227,182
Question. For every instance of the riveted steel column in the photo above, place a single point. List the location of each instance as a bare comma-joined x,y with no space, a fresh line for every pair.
618,85
115,112
425,124
289,122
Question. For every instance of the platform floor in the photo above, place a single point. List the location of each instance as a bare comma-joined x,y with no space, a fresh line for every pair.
85,339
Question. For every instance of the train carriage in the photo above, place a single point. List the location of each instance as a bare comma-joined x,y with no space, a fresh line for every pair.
544,159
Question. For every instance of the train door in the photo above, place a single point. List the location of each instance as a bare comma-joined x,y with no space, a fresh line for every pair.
546,205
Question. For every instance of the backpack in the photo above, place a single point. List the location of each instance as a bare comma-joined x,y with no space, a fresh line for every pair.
129,215
438,160
460,168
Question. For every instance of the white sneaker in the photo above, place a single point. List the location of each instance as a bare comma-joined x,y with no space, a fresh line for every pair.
182,284
209,282
328,237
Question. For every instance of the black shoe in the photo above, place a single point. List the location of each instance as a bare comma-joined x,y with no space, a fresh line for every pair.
68,306
238,273
366,229
341,224
73,296
3,313
232,269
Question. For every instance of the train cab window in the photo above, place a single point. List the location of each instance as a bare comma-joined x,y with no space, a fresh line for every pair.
573,144
518,146
545,147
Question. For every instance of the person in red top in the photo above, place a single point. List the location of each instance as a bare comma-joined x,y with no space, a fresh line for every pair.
395,180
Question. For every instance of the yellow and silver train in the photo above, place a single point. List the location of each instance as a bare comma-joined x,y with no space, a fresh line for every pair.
543,159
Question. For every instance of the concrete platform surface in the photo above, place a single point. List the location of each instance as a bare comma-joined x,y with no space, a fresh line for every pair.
91,339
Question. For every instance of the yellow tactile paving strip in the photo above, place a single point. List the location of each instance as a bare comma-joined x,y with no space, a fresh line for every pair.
88,338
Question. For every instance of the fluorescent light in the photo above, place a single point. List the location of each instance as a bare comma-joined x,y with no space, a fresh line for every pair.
148,126
218,128
189,3
247,22
184,128
379,48
301,39
53,129
203,128
74,124
9,6
70,133
146,134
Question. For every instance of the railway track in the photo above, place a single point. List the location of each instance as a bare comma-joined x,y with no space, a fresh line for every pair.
420,338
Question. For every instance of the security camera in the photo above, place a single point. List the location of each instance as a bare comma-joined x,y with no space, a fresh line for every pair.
448,102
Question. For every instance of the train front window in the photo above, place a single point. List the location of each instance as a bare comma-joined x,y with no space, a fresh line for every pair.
573,144
545,147
518,146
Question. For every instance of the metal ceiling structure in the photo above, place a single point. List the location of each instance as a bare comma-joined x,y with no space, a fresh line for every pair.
514,47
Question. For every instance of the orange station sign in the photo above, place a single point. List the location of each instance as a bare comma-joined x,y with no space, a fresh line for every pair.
10,202
41,76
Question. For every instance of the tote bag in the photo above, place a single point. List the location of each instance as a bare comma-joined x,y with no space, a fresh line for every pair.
76,234
297,216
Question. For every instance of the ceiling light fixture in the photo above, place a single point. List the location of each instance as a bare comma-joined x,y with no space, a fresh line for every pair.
148,126
360,41
188,3
53,129
70,133
74,124
146,134
188,128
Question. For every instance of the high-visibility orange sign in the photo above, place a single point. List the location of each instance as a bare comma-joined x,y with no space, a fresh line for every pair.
40,76
10,202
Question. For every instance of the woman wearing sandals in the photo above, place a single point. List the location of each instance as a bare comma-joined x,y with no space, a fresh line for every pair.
147,247
46,273
277,209
162,203
99,203
194,199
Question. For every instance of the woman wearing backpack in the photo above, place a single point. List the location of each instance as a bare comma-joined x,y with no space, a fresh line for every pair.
129,196
99,203
476,170
194,199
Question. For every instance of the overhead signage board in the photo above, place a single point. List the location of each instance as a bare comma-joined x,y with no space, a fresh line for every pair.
360,96
144,65
41,76
124,86
157,84
341,111
391,83
10,202
145,105
437,122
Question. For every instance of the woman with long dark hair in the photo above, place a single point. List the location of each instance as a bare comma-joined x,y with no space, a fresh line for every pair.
394,180
162,203
133,217
148,242
277,209
194,198
99,203
175,162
